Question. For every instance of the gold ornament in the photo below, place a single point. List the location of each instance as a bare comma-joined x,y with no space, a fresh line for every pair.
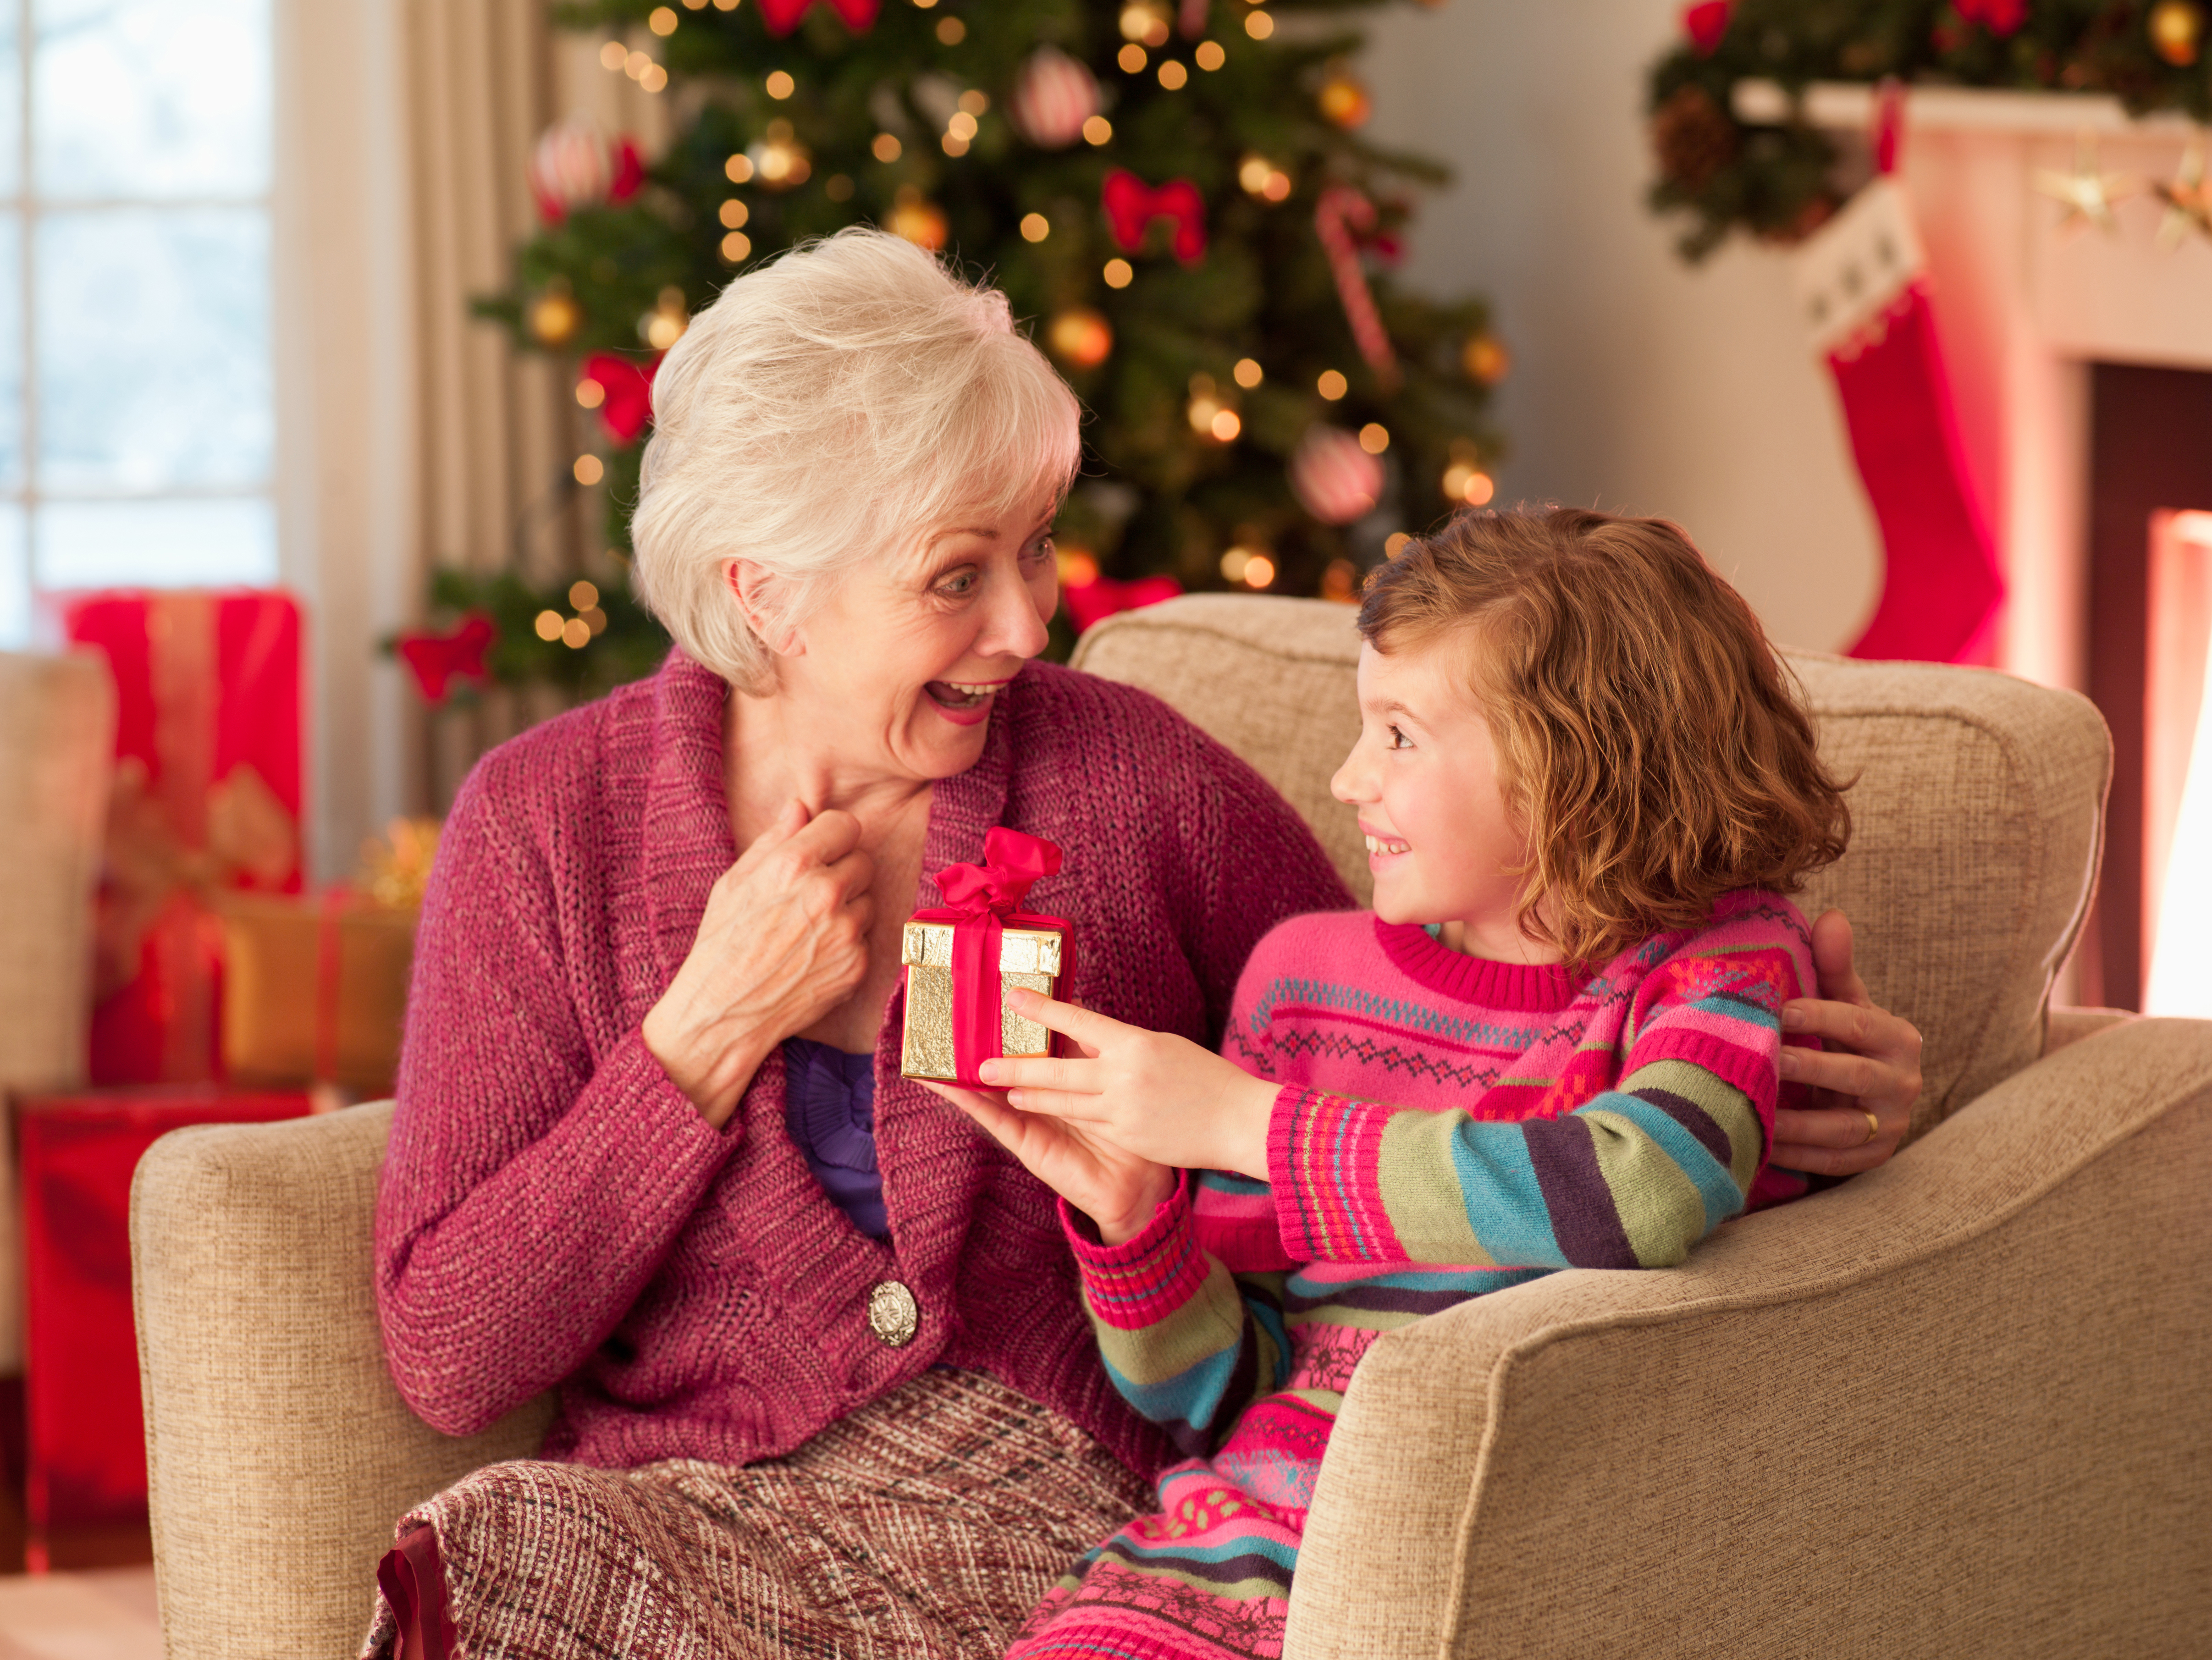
663,325
779,161
2088,194
1486,360
1080,337
918,220
1345,102
2188,199
554,317
2176,31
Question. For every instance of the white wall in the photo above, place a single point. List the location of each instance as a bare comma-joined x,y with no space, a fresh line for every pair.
1639,382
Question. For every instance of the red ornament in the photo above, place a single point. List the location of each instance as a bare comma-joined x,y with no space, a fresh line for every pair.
2002,18
783,16
1335,479
436,658
628,388
1706,23
576,165
1054,96
1101,596
1338,216
1131,206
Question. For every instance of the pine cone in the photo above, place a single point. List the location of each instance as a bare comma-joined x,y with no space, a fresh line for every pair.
1694,138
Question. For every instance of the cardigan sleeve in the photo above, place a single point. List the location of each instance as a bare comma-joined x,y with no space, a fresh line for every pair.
530,1193
1631,1178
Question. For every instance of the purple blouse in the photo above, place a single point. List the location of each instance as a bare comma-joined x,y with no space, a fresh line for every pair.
830,1108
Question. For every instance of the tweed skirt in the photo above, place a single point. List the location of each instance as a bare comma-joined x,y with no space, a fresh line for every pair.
925,1526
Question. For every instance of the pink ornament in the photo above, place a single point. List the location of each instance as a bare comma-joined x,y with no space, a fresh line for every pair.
1335,479
1054,96
576,165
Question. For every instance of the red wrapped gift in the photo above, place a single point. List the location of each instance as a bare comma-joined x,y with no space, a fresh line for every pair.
961,957
87,1435
206,799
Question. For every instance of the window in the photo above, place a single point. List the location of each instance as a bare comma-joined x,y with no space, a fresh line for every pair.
137,420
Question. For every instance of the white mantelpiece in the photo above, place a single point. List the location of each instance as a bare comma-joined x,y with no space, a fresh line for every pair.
2024,306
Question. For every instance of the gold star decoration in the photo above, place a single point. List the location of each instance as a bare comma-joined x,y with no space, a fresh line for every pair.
2088,194
2188,198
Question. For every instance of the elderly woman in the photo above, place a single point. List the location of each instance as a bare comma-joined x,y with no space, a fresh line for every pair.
825,1383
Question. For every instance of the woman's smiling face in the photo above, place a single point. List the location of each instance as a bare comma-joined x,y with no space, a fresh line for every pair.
908,656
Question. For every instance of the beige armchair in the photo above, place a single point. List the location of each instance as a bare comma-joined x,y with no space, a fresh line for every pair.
1956,1406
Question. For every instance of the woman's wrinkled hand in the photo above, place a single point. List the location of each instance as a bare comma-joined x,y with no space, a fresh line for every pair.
1864,1081
784,940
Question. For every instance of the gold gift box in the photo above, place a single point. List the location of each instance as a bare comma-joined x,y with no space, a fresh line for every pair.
276,997
1029,958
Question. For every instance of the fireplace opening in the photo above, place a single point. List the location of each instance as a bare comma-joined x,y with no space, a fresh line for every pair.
2149,625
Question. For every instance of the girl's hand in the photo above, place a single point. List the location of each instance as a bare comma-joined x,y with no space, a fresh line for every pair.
1116,1189
784,940
1864,1081
1149,1094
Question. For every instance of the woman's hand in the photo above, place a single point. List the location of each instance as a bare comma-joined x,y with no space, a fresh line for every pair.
784,940
1148,1093
1866,1079
1116,1189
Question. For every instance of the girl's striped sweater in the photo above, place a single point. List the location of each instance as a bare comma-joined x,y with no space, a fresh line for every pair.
1447,1127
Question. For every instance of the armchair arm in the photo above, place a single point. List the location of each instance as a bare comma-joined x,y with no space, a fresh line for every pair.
278,1452
1955,1400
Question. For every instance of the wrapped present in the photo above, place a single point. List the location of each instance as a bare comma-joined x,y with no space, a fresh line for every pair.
205,801
962,958
314,990
87,1442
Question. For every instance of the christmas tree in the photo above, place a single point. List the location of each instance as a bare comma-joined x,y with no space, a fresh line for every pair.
1175,199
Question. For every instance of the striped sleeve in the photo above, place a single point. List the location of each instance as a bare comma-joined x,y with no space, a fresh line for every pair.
1187,1343
1632,1178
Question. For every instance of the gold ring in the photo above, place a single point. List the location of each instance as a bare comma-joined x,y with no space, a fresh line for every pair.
1873,1127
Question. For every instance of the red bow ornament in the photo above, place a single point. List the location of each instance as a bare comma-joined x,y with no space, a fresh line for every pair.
1705,23
2002,18
1131,206
961,957
627,387
781,16
437,659
1102,596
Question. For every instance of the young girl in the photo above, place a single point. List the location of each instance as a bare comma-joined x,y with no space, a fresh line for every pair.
1555,1042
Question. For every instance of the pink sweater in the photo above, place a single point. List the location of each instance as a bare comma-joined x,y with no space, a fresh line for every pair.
554,1212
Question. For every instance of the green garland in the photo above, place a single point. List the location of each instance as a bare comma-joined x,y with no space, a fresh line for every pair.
1780,181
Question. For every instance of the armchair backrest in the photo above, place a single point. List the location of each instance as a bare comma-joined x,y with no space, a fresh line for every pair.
1978,815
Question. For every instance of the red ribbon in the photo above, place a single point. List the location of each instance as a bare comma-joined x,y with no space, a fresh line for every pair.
628,404
783,16
979,901
1706,24
1131,206
436,658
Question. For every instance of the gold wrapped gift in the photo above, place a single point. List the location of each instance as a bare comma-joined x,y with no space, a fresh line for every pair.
314,991
1029,958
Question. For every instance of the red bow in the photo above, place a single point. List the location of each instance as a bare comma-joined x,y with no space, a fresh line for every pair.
1013,862
628,404
1100,598
629,171
1706,23
1131,206
2001,17
436,658
783,16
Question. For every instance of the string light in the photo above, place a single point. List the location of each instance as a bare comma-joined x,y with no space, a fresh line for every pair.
838,187
582,596
951,30
547,625
1394,544
1375,438
961,125
736,247
734,214
1340,582
1036,228
636,64
1332,385
1259,25
614,55
588,471
576,634
1119,273
739,169
661,21
1097,130
886,148
1259,571
1249,372
656,79
1209,55
1173,75
1078,567
1131,59
590,393
975,101
779,84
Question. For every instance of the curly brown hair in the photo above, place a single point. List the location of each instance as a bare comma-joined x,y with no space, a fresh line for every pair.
1648,738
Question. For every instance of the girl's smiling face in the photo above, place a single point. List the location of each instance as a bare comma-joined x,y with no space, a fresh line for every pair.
905,659
1442,842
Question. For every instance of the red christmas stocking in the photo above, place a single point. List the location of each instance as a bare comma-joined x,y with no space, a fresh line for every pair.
1862,287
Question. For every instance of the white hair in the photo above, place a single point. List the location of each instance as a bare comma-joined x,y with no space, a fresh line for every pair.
833,406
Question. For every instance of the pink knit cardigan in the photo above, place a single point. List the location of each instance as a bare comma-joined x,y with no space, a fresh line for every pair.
553,1212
